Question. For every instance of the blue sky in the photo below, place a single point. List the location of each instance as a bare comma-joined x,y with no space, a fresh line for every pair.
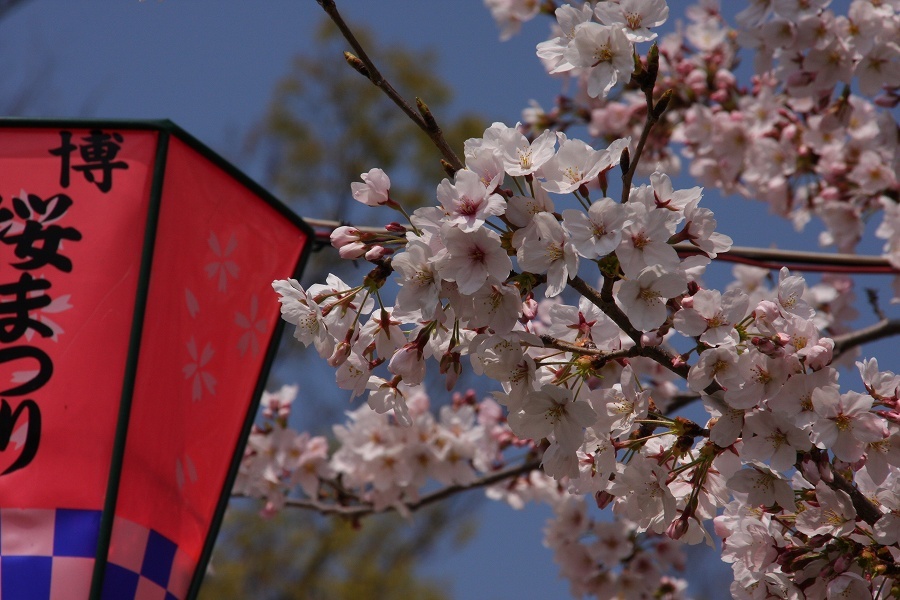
210,66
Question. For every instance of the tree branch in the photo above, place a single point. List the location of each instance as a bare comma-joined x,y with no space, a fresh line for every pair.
882,329
864,507
774,259
361,510
767,258
423,119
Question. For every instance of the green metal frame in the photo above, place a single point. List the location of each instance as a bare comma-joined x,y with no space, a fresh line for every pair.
166,130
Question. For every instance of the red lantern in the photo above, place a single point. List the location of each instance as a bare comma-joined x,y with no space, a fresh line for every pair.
137,326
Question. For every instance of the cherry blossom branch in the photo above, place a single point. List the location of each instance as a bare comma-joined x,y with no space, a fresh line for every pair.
364,65
362,510
774,259
767,258
628,175
864,507
604,301
601,357
882,329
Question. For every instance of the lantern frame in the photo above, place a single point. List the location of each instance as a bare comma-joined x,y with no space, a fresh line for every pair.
166,130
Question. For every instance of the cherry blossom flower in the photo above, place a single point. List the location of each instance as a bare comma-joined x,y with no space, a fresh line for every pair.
387,396
574,164
553,410
844,424
833,514
763,486
521,157
552,51
642,494
545,248
644,299
301,310
467,202
636,15
766,438
598,232
471,259
712,316
605,52
645,240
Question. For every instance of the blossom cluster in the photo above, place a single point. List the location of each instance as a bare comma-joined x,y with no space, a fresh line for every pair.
380,463
804,137
594,332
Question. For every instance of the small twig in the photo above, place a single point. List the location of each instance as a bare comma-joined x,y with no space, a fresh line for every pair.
653,115
361,510
425,120
604,356
872,297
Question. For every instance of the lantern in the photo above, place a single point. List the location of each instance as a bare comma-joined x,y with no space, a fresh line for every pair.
137,326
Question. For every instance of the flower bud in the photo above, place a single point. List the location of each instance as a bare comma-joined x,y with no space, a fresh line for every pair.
677,528
378,252
529,310
373,191
603,499
819,356
340,355
651,338
344,235
407,363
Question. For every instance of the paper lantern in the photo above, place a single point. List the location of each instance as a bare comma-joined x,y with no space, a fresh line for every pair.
137,326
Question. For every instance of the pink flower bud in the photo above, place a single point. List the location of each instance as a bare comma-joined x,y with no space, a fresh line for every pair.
395,227
351,251
725,79
378,252
374,189
344,235
407,363
687,302
696,80
652,338
819,356
529,310
603,499
765,314
340,355
677,528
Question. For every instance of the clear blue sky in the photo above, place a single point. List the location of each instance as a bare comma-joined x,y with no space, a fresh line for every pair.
210,66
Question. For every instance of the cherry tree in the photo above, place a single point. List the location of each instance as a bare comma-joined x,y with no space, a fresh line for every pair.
560,265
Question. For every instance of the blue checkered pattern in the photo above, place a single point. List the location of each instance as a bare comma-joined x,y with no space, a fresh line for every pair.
48,554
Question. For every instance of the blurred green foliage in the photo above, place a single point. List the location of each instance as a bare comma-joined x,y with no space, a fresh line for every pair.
298,555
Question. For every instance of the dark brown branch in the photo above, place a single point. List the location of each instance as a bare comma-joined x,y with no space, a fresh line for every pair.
867,511
425,120
882,329
603,300
361,510
774,258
